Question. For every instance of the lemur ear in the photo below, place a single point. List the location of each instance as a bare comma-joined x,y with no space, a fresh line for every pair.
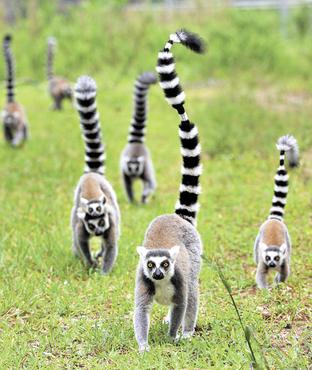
81,214
174,251
103,199
142,251
84,201
283,248
262,245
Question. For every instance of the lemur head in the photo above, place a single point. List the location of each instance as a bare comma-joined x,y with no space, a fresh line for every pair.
158,264
95,225
273,256
94,208
11,119
134,166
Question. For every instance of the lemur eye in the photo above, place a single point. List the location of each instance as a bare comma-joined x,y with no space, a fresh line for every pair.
150,264
90,209
276,258
165,264
98,209
267,258
91,226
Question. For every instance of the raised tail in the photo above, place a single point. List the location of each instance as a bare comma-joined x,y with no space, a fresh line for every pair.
9,67
137,128
85,96
50,56
286,145
187,206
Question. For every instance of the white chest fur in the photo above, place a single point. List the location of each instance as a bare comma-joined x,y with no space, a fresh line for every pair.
164,291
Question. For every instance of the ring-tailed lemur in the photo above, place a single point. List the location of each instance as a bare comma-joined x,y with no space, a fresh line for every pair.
59,88
170,258
95,211
14,118
136,162
272,247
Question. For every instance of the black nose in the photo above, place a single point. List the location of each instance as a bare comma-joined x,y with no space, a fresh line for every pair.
98,233
158,275
272,264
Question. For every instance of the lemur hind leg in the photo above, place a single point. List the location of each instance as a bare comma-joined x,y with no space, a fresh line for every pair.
128,183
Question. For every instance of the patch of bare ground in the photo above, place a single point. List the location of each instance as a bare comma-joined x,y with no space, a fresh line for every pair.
279,101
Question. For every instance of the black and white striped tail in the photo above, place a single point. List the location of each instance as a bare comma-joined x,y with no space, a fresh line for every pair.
85,95
9,68
187,206
50,56
286,145
137,128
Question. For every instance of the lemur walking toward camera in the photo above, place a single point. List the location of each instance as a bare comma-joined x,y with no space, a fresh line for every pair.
95,211
59,88
136,162
272,247
170,258
15,126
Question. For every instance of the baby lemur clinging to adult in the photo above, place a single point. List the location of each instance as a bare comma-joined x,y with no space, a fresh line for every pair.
135,161
95,211
15,126
272,247
59,88
170,257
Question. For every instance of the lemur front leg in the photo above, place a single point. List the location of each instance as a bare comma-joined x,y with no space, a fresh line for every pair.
81,241
127,180
141,319
261,276
7,133
283,274
18,138
109,248
177,314
190,318
149,184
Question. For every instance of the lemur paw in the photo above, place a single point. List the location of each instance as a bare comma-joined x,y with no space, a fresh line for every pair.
187,334
144,348
166,320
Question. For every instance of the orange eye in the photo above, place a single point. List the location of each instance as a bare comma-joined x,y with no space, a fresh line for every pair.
165,264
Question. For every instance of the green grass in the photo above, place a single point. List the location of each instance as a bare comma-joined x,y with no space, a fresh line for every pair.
55,314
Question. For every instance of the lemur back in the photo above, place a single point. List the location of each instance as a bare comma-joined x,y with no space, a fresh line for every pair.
59,88
272,247
135,161
95,211
14,118
170,258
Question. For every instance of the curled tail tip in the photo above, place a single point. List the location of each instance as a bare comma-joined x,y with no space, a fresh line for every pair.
191,40
289,144
85,85
148,78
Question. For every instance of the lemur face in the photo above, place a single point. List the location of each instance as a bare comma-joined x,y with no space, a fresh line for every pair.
134,166
96,226
94,208
158,264
11,120
274,256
